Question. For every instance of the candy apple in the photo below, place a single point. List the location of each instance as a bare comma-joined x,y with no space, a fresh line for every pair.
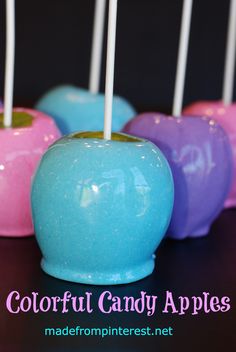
21,148
200,157
225,115
77,109
101,208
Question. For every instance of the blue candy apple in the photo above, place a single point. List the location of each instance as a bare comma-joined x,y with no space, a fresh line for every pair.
77,109
101,208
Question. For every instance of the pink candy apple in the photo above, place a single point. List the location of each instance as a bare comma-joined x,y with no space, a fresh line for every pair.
226,117
21,148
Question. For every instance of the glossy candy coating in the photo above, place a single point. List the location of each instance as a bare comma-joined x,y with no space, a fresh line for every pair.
20,151
101,208
226,117
200,158
76,109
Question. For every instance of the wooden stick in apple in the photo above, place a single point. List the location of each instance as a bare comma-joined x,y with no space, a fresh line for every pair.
223,111
110,65
182,57
22,132
228,84
76,265
97,43
74,108
179,139
9,64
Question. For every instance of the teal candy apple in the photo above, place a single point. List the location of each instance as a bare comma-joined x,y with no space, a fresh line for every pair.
101,207
76,109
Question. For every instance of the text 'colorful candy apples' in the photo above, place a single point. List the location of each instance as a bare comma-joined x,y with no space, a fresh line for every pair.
200,158
226,117
76,109
21,147
101,208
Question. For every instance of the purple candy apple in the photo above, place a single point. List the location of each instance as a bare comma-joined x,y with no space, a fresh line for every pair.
200,157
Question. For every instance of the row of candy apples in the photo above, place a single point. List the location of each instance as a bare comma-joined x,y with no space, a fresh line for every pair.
198,149
195,145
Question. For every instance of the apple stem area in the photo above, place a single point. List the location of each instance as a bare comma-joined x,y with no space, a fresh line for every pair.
118,137
19,120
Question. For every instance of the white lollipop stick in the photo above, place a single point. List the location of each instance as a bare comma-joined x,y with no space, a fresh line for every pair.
97,43
110,65
228,84
182,57
9,64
